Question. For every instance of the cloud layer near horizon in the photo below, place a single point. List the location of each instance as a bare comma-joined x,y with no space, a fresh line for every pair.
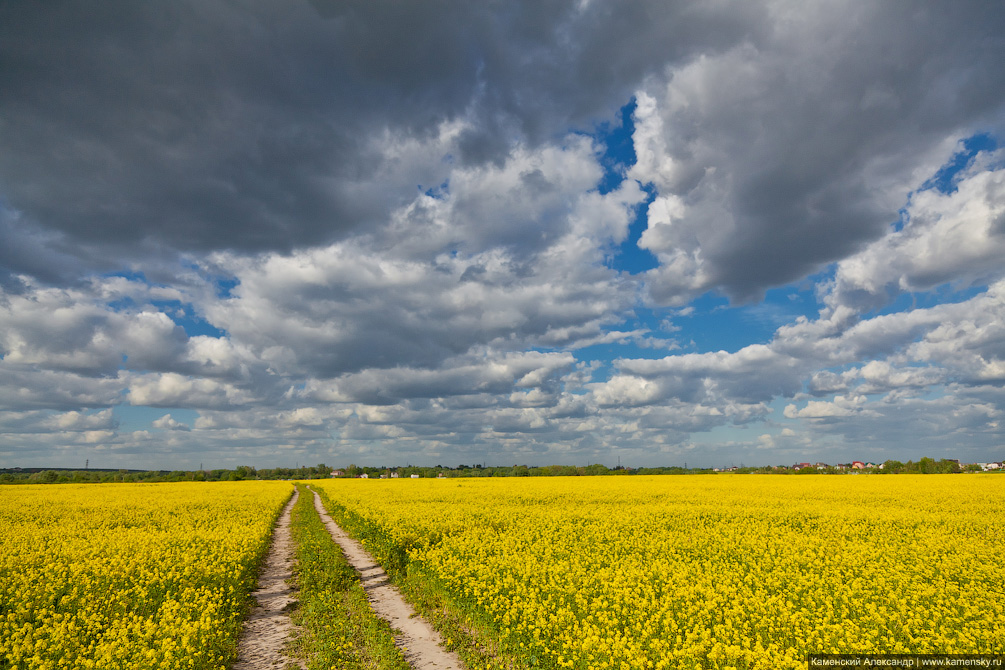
385,234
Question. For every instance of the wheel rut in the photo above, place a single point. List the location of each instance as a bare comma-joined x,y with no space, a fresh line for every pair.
418,640
268,628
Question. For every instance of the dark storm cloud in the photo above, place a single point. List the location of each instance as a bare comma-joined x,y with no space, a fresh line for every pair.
27,250
259,126
203,125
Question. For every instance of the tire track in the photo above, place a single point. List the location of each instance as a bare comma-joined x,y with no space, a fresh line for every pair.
418,640
268,628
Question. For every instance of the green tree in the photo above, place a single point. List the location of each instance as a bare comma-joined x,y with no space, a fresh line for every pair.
892,467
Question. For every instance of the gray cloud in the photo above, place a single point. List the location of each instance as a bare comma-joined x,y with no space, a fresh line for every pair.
797,146
955,237
250,126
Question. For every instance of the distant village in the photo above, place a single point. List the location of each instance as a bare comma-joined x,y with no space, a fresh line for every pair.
924,466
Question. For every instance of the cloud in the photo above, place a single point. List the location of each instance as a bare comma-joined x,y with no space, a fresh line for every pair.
26,422
171,389
167,423
877,377
873,371
789,150
467,375
627,390
840,407
24,388
447,281
756,373
143,129
956,237
75,330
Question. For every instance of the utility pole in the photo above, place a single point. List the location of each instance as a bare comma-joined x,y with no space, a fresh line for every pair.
87,463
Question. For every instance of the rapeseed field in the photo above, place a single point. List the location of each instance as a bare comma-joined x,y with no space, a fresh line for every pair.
128,576
739,571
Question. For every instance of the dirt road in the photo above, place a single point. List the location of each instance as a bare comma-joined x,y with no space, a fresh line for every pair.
268,627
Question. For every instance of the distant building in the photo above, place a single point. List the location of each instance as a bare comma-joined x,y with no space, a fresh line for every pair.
364,476
394,475
857,465
415,476
337,473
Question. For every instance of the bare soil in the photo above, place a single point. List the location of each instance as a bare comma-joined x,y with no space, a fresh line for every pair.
268,628
420,643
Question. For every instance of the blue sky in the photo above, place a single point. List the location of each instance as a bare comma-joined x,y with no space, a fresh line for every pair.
571,233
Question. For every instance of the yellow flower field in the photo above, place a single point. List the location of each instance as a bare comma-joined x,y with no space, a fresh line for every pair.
739,571
129,576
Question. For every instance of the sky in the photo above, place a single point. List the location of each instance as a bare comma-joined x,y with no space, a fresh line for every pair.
561,232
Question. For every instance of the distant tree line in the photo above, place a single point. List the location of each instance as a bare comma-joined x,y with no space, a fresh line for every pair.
43,476
52,476
321,471
483,471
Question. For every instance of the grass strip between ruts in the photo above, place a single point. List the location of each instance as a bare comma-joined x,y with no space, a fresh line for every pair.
338,629
465,630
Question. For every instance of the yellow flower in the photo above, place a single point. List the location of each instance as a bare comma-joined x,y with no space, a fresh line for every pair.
747,572
130,575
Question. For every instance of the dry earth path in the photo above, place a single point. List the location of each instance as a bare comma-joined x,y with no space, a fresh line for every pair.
416,638
268,627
